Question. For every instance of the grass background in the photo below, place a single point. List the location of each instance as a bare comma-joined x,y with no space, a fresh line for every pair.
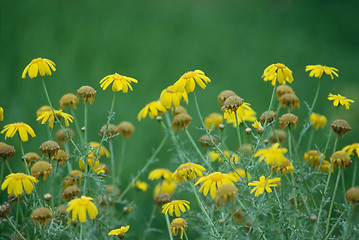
156,42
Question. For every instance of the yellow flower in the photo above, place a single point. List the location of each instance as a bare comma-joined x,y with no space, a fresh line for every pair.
277,73
141,185
241,176
317,120
152,109
187,81
21,128
318,70
263,184
42,109
16,182
256,124
165,186
178,224
1,114
340,100
175,206
96,149
91,163
80,206
213,120
120,232
244,113
352,149
272,155
49,117
39,65
119,82
282,167
171,98
214,181
188,171
160,173
231,156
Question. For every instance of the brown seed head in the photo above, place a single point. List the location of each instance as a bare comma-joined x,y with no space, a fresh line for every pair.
232,103
32,157
271,117
287,120
181,120
162,198
340,127
283,89
4,209
206,142
126,129
68,100
7,151
60,212
178,110
73,178
61,136
289,99
69,193
111,131
340,158
42,215
282,136
352,195
86,93
224,95
41,168
60,157
226,192
49,148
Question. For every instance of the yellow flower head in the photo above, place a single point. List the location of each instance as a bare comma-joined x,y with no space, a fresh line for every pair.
271,155
240,174
340,100
313,157
341,158
318,70
256,124
160,173
120,232
91,164
49,117
22,128
39,65
213,120
175,206
178,224
1,114
263,184
317,120
188,171
152,109
214,181
171,98
165,186
68,100
80,206
283,167
42,109
95,150
119,82
16,182
187,81
277,73
244,113
352,149
141,185
231,156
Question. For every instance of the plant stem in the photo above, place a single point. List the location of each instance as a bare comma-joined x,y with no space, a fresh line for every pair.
238,133
197,149
310,139
86,130
332,202
16,230
78,129
81,230
315,97
270,105
185,234
168,226
122,156
113,168
354,173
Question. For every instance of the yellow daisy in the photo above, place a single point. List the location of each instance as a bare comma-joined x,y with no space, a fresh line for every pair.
317,120
152,109
231,156
352,149
277,73
187,81
318,70
49,117
340,100
175,206
119,82
244,113
80,206
39,65
171,98
160,173
263,184
241,176
141,185
22,128
272,155
96,149
214,181
165,186
188,171
16,182
256,124
120,232
213,120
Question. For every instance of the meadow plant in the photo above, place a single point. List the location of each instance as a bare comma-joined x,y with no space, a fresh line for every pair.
276,184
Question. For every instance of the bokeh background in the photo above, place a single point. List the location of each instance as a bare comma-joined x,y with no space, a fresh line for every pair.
156,42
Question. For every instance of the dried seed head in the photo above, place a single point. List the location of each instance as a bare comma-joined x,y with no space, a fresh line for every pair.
16,236
111,131
126,129
313,157
7,151
289,99
221,126
340,158
47,196
206,142
42,215
127,209
340,127
224,95
178,110
4,209
61,136
282,136
260,130
86,93
41,168
178,224
31,157
271,117
226,192
287,120
232,103
73,178
60,157
69,193
60,212
162,198
352,195
283,89
49,148
181,120
68,100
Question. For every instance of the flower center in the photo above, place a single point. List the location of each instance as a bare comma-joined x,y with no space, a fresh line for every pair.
217,176
36,60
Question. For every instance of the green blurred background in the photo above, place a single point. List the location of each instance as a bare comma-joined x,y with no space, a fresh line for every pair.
156,42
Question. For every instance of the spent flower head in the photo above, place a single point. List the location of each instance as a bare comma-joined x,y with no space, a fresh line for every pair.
178,224
86,93
68,100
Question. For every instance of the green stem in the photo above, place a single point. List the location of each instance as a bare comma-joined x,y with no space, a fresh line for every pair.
310,139
86,130
8,166
81,230
315,97
354,173
238,133
197,149
113,167
270,105
290,142
16,230
168,226
335,143
332,202
347,223
17,211
53,184
334,226
69,165
185,234
214,229
2,170
122,157
78,129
